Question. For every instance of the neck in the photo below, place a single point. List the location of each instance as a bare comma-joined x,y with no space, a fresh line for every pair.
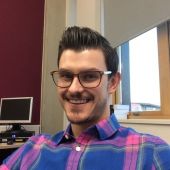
78,129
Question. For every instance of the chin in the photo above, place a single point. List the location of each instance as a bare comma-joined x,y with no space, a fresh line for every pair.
79,121
77,117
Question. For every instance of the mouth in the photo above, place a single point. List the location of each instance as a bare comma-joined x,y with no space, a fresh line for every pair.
78,101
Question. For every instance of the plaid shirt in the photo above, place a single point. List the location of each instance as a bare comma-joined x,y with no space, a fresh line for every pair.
105,146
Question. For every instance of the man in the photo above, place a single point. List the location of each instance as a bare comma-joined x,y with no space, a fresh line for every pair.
85,79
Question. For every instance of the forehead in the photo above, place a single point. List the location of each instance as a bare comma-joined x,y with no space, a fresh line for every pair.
82,60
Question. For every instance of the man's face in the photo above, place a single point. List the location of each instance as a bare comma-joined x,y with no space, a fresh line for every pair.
85,105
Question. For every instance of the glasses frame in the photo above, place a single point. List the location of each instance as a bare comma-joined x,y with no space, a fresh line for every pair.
78,76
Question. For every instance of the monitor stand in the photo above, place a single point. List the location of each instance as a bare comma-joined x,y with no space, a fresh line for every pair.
16,128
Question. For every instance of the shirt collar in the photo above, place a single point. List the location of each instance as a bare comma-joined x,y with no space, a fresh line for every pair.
105,129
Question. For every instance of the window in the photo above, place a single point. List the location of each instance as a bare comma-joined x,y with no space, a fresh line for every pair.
145,70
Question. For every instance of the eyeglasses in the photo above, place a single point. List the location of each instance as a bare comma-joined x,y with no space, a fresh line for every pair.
88,79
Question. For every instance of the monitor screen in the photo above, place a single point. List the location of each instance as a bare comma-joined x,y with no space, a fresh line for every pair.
16,110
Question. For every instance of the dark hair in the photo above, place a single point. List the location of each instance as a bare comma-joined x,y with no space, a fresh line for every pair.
81,38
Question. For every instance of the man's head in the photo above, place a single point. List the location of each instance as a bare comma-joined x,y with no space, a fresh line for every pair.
83,79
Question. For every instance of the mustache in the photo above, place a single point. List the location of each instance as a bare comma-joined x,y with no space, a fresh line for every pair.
77,96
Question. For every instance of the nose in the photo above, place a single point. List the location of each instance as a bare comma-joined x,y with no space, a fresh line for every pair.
75,85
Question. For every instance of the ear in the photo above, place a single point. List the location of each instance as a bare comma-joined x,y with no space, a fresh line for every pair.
114,82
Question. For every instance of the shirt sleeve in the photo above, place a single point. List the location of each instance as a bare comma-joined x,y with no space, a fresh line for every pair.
3,167
14,159
25,155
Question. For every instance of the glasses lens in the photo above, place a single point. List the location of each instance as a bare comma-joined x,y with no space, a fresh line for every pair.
90,79
63,78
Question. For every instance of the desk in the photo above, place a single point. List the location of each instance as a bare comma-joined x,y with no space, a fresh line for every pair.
6,150
13,146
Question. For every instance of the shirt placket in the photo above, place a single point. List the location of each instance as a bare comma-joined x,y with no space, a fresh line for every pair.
78,149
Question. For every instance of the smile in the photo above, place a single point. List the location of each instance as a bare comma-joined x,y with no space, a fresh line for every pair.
78,101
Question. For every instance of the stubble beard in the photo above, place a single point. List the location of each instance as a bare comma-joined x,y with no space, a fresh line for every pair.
96,114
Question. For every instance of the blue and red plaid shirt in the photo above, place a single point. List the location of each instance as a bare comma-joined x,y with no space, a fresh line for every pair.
105,146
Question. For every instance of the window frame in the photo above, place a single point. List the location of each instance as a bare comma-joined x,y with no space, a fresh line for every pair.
164,74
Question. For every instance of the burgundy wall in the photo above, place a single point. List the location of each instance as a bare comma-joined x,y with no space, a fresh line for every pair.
21,43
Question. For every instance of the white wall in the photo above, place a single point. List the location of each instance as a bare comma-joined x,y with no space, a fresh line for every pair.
124,20
89,13
55,21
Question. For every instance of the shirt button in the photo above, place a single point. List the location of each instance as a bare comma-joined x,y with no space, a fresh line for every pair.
78,148
66,136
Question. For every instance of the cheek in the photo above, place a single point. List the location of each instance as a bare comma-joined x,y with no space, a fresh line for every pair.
103,88
101,93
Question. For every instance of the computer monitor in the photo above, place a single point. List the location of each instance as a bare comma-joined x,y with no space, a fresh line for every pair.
16,111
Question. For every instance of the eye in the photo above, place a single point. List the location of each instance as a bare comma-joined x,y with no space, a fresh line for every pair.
90,76
65,76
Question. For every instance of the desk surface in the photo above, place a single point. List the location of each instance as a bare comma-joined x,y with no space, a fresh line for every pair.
14,145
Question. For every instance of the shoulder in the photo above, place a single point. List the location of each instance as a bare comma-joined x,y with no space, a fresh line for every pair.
33,146
43,138
148,146
15,159
35,143
46,138
40,138
132,135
